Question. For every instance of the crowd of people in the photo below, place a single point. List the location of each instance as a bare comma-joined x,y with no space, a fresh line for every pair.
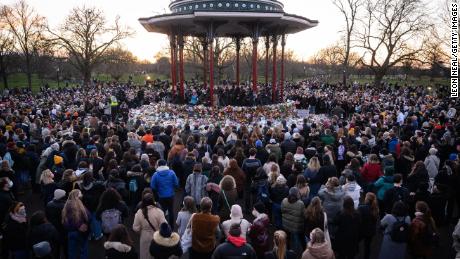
384,162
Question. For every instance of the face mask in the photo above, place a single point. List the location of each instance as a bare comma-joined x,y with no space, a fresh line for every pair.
10,184
22,212
254,213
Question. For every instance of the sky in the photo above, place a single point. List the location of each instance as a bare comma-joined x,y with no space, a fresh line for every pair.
145,45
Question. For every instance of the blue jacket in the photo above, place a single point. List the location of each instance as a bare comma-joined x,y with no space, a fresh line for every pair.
392,145
383,184
164,181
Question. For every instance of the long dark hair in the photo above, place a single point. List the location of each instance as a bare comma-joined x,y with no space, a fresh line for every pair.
110,199
120,234
147,200
348,205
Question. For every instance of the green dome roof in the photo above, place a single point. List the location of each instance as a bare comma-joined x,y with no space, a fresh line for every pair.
191,6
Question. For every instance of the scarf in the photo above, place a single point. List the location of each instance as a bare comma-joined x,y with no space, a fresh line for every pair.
18,218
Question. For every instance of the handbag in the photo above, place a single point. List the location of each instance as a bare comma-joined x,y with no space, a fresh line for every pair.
186,238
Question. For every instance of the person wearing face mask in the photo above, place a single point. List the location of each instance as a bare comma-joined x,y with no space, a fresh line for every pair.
15,231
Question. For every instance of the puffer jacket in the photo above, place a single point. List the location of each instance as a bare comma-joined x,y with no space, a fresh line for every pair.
318,251
432,165
332,200
292,216
383,184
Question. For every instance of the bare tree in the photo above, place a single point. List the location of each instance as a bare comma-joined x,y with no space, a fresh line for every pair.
86,36
349,10
334,56
27,28
118,61
391,32
6,49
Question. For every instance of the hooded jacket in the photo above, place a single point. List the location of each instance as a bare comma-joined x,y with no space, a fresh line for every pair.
318,251
383,184
164,247
164,181
332,200
353,190
118,250
234,248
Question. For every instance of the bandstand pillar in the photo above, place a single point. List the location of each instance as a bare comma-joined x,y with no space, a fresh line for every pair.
172,42
210,38
267,49
275,44
204,43
255,42
283,44
238,47
181,67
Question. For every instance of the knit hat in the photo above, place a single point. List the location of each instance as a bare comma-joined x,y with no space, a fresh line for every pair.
281,180
58,160
259,207
42,249
165,230
453,157
294,192
235,230
59,194
259,143
433,151
235,212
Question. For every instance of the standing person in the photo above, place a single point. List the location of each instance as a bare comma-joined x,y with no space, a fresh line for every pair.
370,172
164,182
352,189
235,246
146,221
196,183
422,232
318,247
47,185
397,193
258,233
119,244
394,242
370,215
15,231
53,213
348,223
249,167
240,178
280,249
312,176
165,243
227,197
278,192
332,197
382,185
75,219
292,209
204,227
236,217
432,163
43,231
315,217
111,210
184,215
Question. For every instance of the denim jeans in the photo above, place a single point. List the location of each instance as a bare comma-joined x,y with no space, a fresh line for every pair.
95,226
78,245
276,211
167,204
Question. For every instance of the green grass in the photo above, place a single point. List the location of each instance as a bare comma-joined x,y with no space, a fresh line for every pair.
423,81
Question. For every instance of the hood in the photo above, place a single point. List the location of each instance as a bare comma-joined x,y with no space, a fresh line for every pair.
166,241
410,158
335,195
320,251
236,241
162,169
352,187
299,156
120,247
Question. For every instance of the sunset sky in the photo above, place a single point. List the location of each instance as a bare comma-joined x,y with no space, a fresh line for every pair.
145,45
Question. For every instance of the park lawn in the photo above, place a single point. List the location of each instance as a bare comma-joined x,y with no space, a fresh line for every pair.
424,80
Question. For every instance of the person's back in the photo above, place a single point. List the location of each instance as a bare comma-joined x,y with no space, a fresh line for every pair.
204,227
164,181
235,246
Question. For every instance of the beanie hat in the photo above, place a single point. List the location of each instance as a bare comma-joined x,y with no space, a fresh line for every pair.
42,249
433,151
259,207
59,194
58,160
453,157
235,230
165,230
258,143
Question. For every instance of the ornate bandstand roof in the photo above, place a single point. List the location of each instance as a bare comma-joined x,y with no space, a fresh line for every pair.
231,18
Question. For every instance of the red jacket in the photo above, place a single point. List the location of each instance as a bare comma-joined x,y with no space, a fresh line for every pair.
371,172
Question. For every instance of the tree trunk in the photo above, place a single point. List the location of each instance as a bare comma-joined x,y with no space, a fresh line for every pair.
87,76
3,72
378,77
28,71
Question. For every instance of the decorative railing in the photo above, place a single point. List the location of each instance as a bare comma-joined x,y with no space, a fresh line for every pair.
191,6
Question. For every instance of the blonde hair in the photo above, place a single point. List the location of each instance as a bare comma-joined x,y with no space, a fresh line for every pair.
314,164
317,236
272,176
280,246
47,177
74,211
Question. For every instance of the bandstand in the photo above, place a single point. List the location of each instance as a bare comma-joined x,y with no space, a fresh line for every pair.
237,19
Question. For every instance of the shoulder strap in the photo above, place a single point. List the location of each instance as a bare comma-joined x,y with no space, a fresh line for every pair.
148,220
226,201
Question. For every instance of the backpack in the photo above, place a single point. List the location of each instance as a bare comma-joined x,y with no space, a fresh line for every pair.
133,185
399,232
110,219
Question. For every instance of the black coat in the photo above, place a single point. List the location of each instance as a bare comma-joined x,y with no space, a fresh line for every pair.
163,248
45,232
116,250
347,235
53,212
15,235
368,221
228,250
327,171
6,200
